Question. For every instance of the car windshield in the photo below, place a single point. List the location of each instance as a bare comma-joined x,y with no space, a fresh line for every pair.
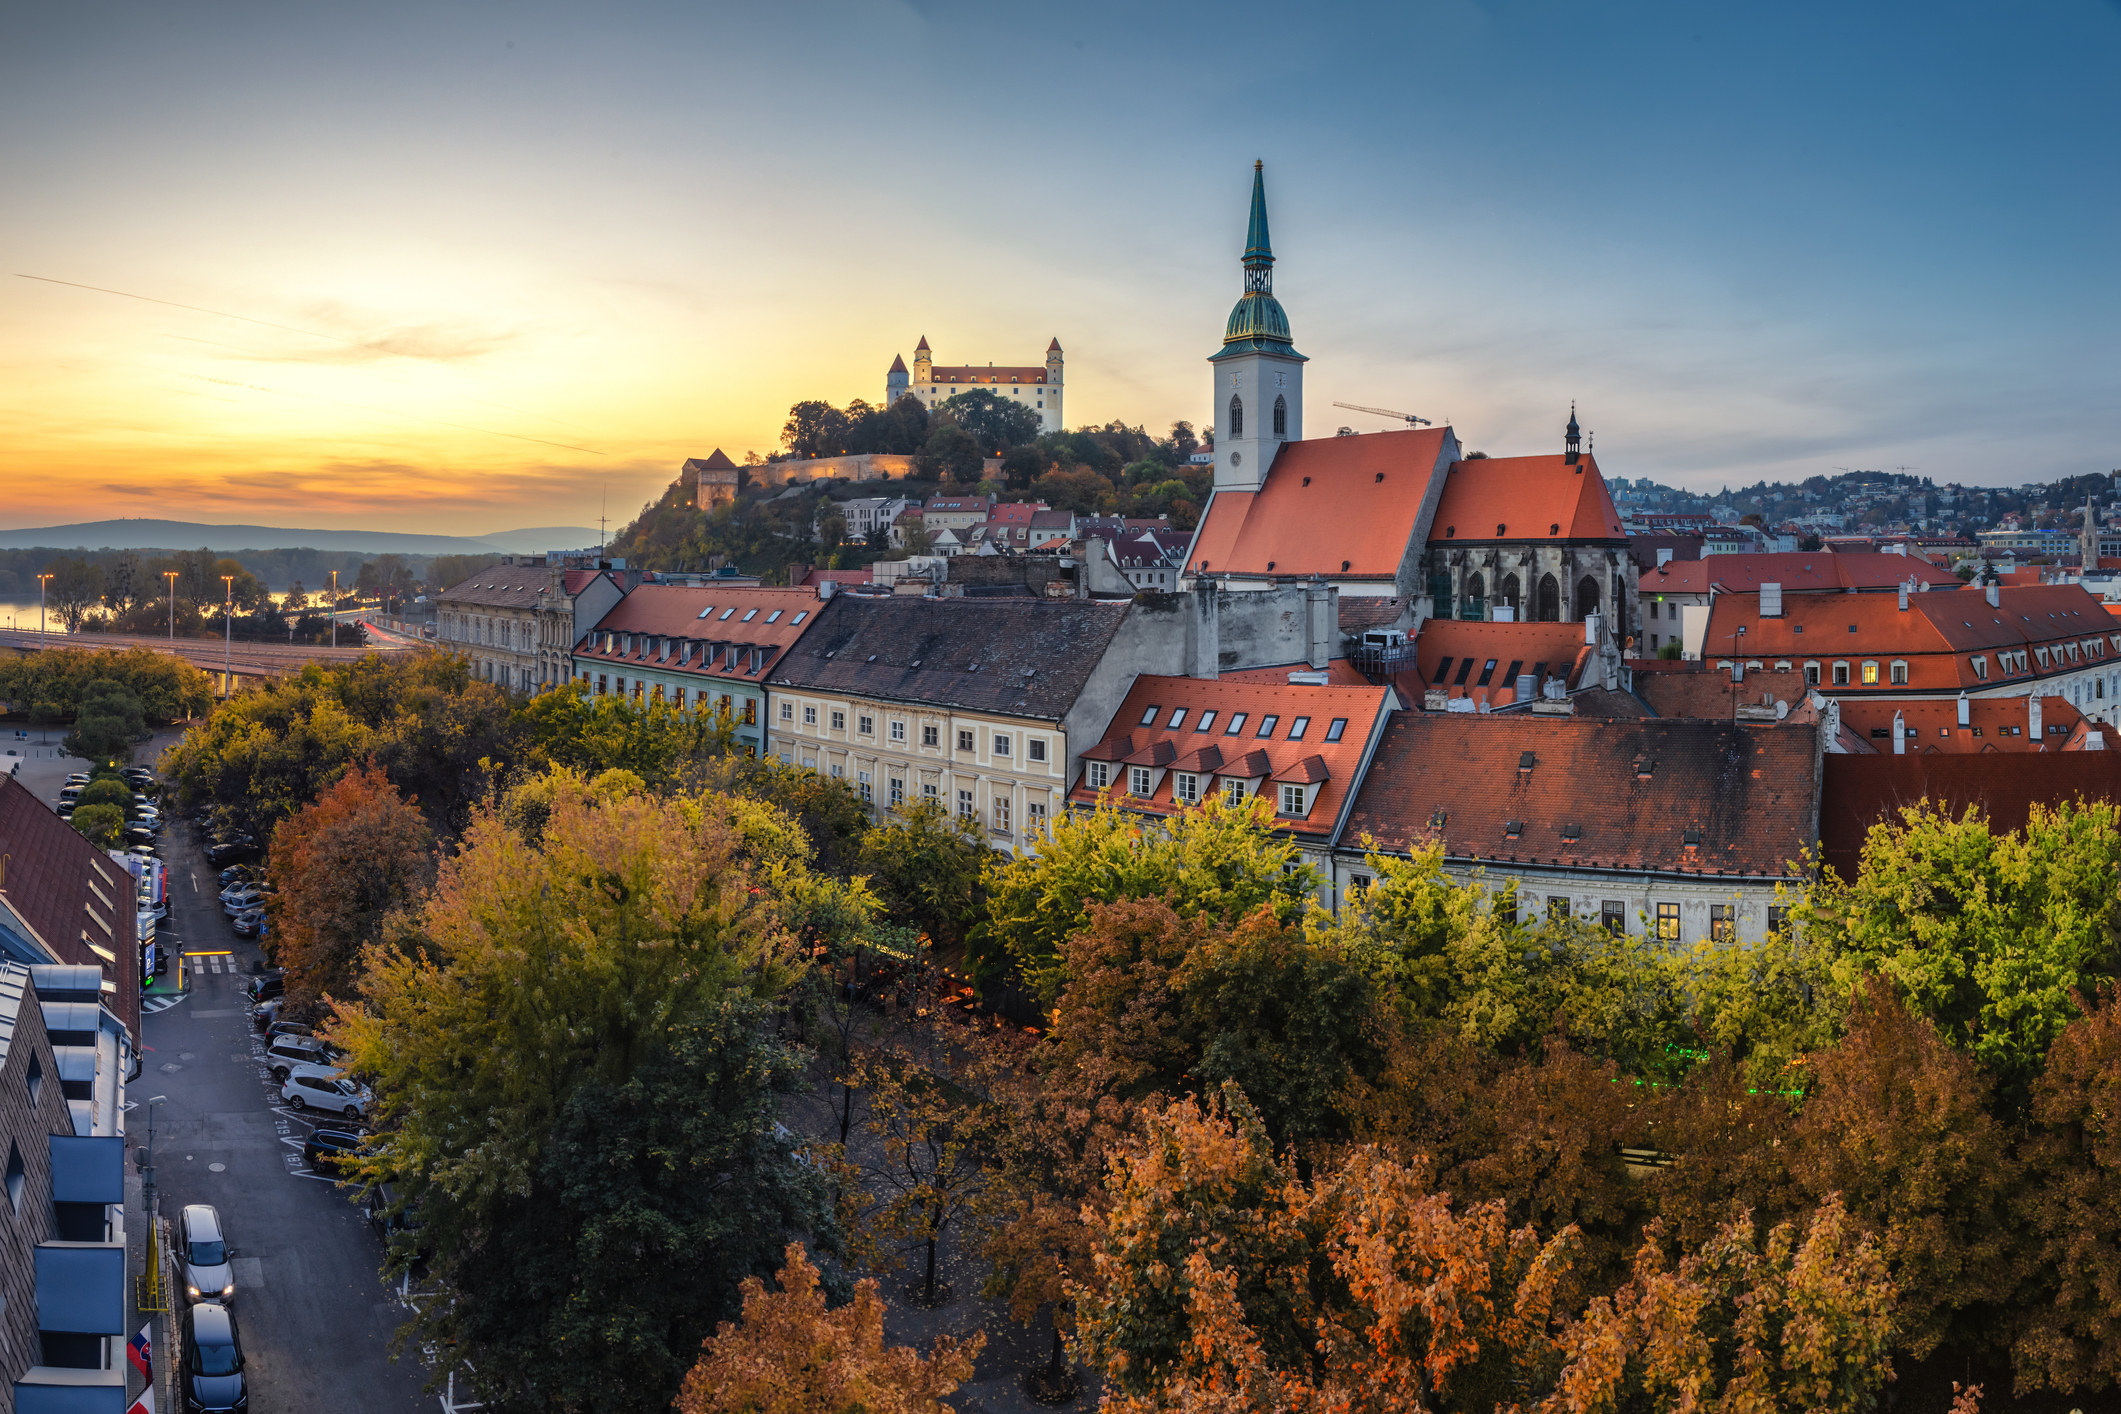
208,1254
215,1359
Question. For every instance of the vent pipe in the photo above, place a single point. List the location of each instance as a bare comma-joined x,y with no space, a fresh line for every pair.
1966,711
1995,597
1903,598
2032,715
1899,735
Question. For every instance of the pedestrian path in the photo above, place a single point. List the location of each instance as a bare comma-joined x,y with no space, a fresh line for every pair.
151,1004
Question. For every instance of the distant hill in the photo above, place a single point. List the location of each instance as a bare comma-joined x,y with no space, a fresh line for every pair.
192,535
535,538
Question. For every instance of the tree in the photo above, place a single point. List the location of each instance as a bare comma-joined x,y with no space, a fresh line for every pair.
2067,1327
1899,1124
793,1356
574,728
343,865
105,792
1075,488
109,720
929,870
1223,860
538,1018
951,454
104,825
1021,466
814,429
995,423
75,588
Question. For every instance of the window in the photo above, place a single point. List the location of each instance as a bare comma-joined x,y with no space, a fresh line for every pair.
1811,675
861,785
1723,923
1137,780
1298,727
1178,719
865,725
1778,920
36,1080
1899,675
929,791
1098,774
1149,715
1358,885
751,712
1558,909
749,615
809,715
1292,799
603,683
898,731
1035,748
725,614
1237,416
1841,675
1870,674
1668,922
964,806
1001,814
897,792
774,617
1035,817
1185,787
1335,728
839,771
1281,416
1234,792
1237,724
1001,744
930,736
964,739
839,721
1980,668
1266,726
1205,721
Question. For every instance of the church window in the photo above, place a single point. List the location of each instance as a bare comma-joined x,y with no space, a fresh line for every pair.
1237,416
1586,597
1281,417
1549,608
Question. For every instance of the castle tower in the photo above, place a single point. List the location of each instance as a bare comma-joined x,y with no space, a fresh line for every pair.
1052,415
895,381
1258,393
923,362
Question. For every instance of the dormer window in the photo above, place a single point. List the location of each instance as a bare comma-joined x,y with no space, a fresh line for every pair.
1292,798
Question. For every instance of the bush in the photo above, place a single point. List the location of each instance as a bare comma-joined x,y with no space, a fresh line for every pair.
106,791
104,825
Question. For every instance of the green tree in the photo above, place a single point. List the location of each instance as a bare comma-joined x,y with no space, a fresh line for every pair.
105,792
929,870
814,429
995,423
104,825
107,723
572,727
952,454
1223,860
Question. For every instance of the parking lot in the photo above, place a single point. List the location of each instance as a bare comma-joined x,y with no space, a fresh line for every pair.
317,1323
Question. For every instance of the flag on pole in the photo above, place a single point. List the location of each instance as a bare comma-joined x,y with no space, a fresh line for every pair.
145,1404
141,1351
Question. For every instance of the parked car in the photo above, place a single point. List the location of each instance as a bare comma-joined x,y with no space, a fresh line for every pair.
220,854
287,1054
385,1214
64,810
202,1250
325,1091
237,874
288,1028
265,986
241,901
248,925
212,1377
326,1149
265,1015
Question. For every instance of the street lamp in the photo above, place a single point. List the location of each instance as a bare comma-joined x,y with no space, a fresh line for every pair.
147,1194
41,581
228,630
171,576
334,608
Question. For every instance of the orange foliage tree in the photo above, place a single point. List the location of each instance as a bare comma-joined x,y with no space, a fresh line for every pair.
790,1355
342,865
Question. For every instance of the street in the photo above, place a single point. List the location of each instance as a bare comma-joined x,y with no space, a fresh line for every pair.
316,1320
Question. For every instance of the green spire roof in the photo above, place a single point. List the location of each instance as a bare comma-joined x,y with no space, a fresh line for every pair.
1258,249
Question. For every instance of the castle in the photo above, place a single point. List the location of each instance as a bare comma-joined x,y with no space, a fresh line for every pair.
1033,387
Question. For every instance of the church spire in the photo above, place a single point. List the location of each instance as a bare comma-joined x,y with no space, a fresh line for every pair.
1258,324
1259,251
1572,436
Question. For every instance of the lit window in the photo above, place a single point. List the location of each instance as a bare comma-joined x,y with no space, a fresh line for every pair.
1001,815
1668,922
1870,674
1723,923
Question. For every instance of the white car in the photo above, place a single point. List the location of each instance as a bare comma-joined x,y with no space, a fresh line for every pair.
241,901
310,1087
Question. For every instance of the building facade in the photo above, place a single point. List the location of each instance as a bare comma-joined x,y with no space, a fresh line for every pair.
697,648
519,621
931,384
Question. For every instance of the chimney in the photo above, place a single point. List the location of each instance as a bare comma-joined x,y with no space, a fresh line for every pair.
1899,735
1590,629
1203,633
1903,598
1771,600
1664,556
1321,620
1995,597
2032,716
1966,711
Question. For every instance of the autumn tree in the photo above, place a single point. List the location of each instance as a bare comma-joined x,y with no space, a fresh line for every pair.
1727,1148
103,825
1222,860
791,1355
574,728
342,866
928,869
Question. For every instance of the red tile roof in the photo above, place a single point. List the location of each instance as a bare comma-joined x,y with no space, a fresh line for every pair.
969,373
814,578
1339,673
1344,507
1995,724
1937,635
1705,692
1015,512
1796,573
1143,730
76,898
1446,647
1861,791
1593,794
1526,498
772,619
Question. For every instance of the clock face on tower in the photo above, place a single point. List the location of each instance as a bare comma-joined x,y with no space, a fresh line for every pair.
1281,380
1233,380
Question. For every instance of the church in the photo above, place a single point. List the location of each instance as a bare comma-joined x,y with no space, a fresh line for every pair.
1037,387
1399,518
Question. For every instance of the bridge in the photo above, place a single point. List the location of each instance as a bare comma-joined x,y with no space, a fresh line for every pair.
256,660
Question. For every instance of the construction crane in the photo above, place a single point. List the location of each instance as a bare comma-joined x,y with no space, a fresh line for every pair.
1407,417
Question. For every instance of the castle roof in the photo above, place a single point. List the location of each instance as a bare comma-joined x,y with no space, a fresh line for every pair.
922,344
987,373
1054,347
1343,507
717,460
898,363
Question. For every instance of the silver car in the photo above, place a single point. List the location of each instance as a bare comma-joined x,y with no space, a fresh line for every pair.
311,1088
203,1254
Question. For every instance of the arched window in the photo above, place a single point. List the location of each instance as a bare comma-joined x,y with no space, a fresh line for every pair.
1509,593
1281,416
1476,588
1586,597
1237,416
1548,609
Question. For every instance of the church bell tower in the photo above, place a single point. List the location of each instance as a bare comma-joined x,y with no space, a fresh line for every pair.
1259,376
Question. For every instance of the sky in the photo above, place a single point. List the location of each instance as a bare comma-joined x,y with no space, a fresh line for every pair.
459,268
